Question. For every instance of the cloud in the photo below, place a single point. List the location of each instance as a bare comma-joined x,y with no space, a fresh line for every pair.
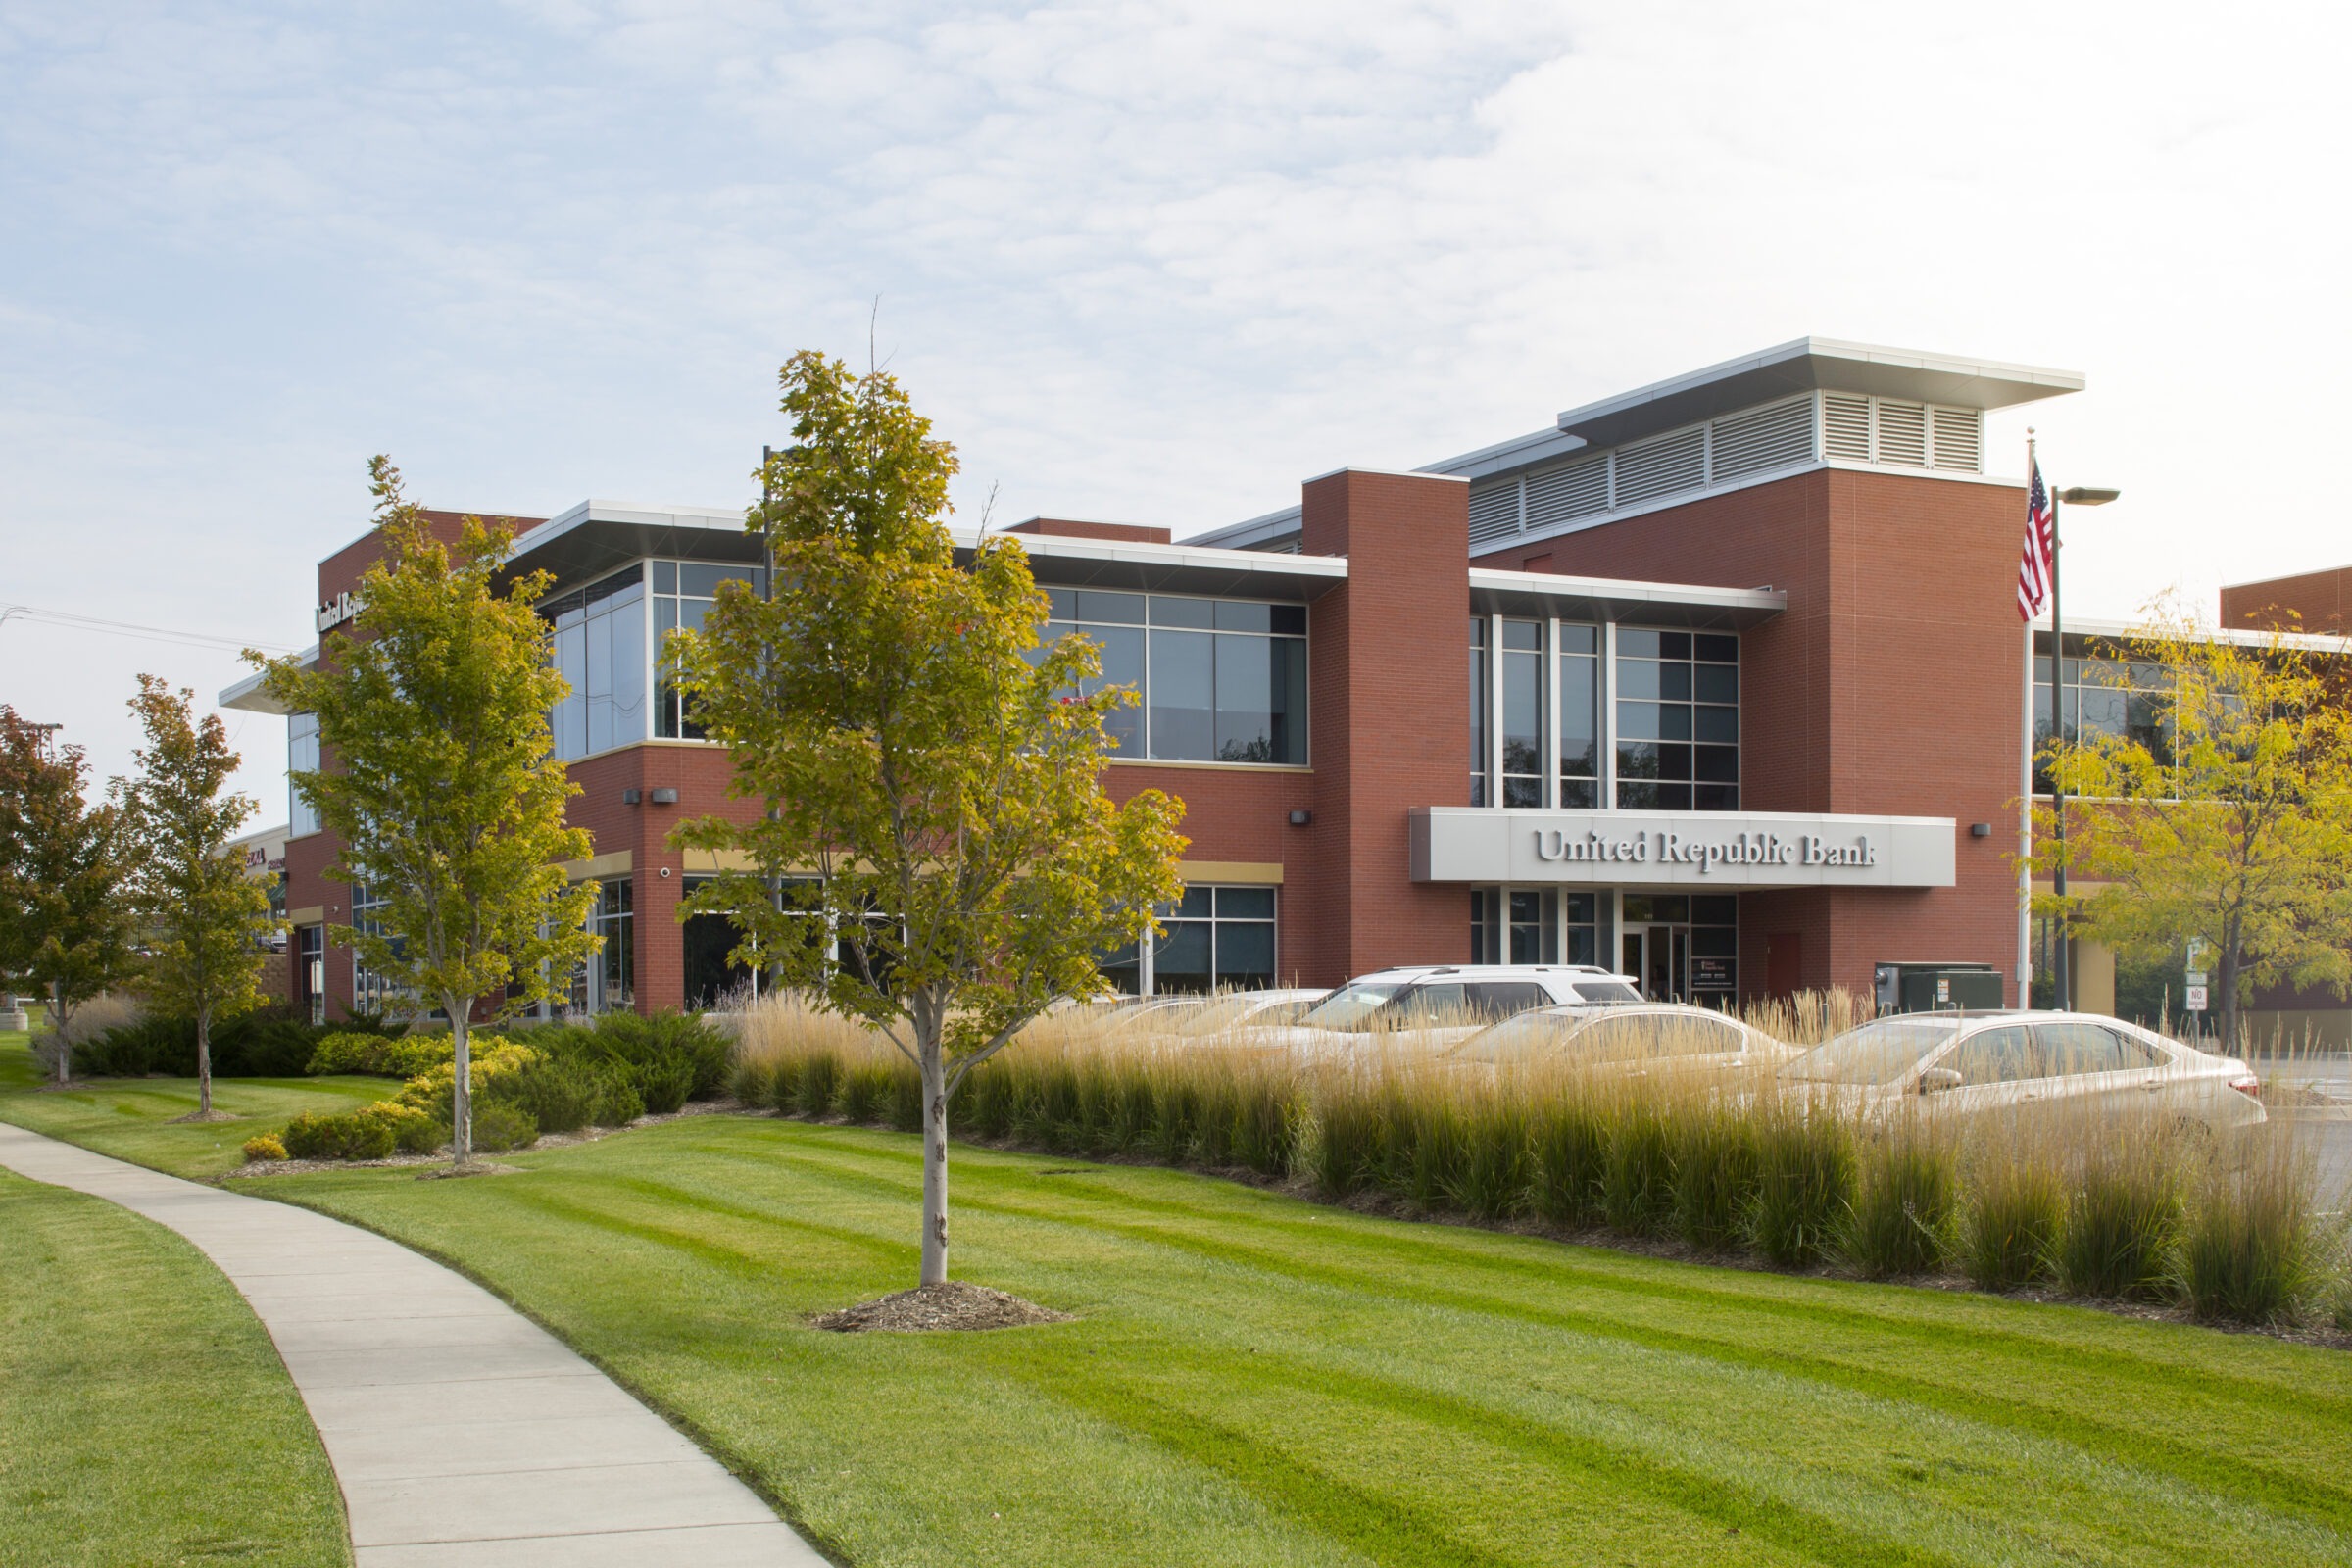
1139,260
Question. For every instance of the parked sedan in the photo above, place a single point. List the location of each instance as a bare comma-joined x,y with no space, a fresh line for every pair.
2033,1063
1205,1020
1640,1038
1439,1005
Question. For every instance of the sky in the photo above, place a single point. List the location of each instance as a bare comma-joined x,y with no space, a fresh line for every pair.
1149,262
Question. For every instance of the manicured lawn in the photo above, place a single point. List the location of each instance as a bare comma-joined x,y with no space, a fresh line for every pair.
130,1118
145,1418
1257,1380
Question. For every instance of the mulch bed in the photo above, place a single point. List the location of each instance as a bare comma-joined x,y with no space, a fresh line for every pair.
950,1306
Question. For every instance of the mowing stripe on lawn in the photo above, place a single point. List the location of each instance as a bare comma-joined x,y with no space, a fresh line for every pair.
2250,1480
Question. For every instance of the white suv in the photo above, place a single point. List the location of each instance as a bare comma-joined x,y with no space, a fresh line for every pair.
1439,1004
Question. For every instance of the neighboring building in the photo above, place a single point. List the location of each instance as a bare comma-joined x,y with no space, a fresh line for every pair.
1720,681
263,856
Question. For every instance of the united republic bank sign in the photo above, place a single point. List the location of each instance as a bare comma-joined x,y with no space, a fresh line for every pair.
1676,849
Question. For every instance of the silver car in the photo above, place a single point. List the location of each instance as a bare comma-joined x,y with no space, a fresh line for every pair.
1633,1038
2056,1064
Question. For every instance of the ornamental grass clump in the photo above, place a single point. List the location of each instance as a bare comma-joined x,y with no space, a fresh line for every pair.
2124,1213
1636,1177
1497,1156
1568,1151
1805,1172
2251,1248
1900,1220
1716,1176
2009,1218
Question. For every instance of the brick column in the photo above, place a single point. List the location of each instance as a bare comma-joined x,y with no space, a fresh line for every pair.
1390,714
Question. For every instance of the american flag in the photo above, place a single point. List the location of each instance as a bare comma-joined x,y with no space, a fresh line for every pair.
2036,563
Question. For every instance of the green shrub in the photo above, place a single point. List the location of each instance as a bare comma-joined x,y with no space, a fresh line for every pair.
562,1095
1569,1143
1804,1185
2008,1234
350,1051
617,1102
1715,1176
412,1131
491,1061
500,1125
2121,1219
271,1043
353,1135
1637,1183
2250,1252
1900,1222
664,1084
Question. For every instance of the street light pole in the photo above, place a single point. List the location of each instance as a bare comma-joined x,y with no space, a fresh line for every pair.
2063,966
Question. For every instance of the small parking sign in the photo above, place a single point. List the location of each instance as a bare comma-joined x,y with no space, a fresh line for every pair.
2195,1002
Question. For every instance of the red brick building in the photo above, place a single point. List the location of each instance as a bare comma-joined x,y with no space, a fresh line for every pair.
1720,682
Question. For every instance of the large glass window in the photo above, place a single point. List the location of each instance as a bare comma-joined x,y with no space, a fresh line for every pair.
1222,680
1480,706
1678,720
683,592
2104,696
1580,716
310,972
597,634
1534,925
1217,938
371,991
1523,712
302,756
607,981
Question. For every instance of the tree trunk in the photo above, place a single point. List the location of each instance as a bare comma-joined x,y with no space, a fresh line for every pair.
935,1159
57,1036
204,1061
461,1096
2228,979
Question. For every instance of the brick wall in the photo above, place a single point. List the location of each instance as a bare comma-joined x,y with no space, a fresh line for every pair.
2312,601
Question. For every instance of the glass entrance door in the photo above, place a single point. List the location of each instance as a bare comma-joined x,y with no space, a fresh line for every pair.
1658,957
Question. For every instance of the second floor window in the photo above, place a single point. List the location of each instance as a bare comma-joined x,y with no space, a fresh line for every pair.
1678,720
1222,680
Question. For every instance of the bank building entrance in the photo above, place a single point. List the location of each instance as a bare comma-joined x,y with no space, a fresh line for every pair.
1682,946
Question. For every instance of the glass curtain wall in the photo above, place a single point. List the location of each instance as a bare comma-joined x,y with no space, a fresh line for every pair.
1523,706
1580,716
2114,696
683,592
1222,680
1216,937
597,634
302,756
1513,663
607,982
1481,706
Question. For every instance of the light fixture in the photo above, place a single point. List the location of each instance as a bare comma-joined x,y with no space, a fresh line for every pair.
1301,818
2087,495
1979,830
665,797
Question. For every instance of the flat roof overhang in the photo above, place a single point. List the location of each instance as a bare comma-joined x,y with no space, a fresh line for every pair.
1813,363
584,542
1061,562
248,696
1606,600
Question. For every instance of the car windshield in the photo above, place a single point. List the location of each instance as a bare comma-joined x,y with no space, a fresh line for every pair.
1349,1008
1875,1054
1605,991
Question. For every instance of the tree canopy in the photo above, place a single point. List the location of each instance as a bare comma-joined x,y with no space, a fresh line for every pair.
438,776
933,851
65,923
2228,819
204,920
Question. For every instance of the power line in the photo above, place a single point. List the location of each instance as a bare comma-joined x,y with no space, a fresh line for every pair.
124,628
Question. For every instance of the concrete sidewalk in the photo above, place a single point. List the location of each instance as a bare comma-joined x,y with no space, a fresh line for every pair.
464,1435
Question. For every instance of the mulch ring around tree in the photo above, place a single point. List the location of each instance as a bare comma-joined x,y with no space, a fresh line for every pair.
949,1307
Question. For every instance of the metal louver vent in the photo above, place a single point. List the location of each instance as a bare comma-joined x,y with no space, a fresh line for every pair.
1904,433
1960,439
1659,467
1494,511
1846,427
1758,439
1560,495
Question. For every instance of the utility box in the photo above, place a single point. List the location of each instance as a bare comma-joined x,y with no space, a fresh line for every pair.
1937,987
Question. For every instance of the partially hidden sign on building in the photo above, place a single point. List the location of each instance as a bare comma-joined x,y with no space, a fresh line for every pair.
1729,849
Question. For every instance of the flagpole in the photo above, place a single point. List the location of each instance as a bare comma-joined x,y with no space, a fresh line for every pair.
2024,804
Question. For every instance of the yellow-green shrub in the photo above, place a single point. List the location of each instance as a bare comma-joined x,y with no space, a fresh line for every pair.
266,1147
